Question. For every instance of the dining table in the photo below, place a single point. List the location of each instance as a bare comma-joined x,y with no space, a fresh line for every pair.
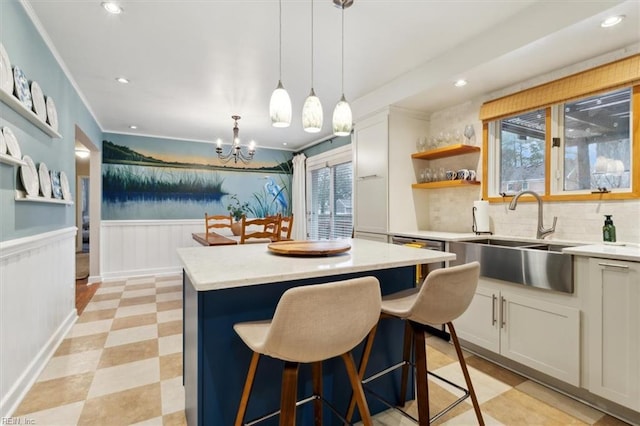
229,284
213,239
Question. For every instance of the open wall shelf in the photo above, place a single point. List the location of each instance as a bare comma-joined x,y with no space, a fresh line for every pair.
445,184
9,159
446,151
22,196
15,104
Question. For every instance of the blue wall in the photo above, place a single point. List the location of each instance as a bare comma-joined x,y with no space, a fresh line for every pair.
27,49
329,144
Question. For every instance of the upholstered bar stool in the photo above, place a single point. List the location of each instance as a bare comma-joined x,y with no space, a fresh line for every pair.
311,324
444,295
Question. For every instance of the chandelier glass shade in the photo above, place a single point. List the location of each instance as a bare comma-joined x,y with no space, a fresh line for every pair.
280,107
312,114
236,153
342,118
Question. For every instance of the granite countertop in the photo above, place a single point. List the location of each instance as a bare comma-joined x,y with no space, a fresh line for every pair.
222,267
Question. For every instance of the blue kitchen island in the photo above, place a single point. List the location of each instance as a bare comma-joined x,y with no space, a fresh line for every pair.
228,284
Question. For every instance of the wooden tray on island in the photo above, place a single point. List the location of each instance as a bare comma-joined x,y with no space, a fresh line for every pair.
309,248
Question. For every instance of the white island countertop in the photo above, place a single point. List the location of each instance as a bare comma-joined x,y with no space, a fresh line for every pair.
223,267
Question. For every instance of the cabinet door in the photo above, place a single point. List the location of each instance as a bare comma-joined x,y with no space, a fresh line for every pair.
541,335
371,205
479,323
371,146
614,348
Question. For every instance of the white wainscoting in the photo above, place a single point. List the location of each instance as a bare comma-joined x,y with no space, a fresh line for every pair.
37,300
144,247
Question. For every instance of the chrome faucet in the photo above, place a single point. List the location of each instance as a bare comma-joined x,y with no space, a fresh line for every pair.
541,233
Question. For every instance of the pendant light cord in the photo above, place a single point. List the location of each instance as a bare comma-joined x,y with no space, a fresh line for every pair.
311,44
342,50
280,36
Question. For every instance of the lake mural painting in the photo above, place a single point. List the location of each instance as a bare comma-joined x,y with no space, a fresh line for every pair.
145,178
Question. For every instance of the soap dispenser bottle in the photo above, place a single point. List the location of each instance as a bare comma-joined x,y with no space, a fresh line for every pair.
608,230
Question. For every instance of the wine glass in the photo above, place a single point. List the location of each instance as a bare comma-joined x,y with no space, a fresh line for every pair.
469,133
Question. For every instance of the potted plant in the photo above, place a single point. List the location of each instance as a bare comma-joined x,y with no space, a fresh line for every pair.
236,209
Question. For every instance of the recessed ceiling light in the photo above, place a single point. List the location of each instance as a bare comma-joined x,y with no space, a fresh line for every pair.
611,21
133,127
111,7
460,83
122,80
284,143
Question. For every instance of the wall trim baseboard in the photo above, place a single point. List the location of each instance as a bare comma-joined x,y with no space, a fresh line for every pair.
16,394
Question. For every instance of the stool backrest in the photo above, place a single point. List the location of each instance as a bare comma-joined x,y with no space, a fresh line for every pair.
321,321
445,294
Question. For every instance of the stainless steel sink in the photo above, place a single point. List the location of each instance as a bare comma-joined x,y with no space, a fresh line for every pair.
540,265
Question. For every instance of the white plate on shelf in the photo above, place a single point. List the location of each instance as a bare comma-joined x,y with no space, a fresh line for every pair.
52,114
12,143
29,176
21,88
39,106
64,184
3,144
55,184
6,75
45,180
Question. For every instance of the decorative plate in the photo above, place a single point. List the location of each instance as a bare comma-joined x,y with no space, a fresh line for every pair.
6,76
3,144
21,87
12,143
52,114
39,106
64,184
55,184
29,176
45,180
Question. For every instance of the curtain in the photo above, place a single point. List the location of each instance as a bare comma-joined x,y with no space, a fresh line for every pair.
298,200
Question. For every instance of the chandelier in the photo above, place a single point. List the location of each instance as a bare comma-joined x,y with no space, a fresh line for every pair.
236,150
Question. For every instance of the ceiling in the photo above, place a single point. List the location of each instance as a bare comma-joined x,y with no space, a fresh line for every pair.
194,63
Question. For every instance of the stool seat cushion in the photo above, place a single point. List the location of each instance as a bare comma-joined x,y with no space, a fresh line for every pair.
399,304
443,296
316,322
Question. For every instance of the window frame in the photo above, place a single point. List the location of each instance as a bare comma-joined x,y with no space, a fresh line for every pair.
554,156
331,159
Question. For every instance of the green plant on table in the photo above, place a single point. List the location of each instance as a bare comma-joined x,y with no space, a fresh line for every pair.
237,209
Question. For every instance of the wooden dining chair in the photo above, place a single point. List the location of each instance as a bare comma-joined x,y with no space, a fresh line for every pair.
286,225
213,222
261,228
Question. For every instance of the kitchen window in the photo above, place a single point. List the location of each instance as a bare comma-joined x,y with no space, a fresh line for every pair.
596,136
575,138
329,195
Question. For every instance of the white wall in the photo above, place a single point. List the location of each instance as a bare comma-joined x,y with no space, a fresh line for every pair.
145,247
37,307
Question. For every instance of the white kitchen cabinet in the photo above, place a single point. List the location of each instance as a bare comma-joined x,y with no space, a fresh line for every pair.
614,331
383,170
371,166
382,238
530,330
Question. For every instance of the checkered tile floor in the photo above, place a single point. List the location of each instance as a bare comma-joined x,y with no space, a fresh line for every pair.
121,364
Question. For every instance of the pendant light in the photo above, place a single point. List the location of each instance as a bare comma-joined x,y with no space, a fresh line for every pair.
312,108
342,117
280,104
